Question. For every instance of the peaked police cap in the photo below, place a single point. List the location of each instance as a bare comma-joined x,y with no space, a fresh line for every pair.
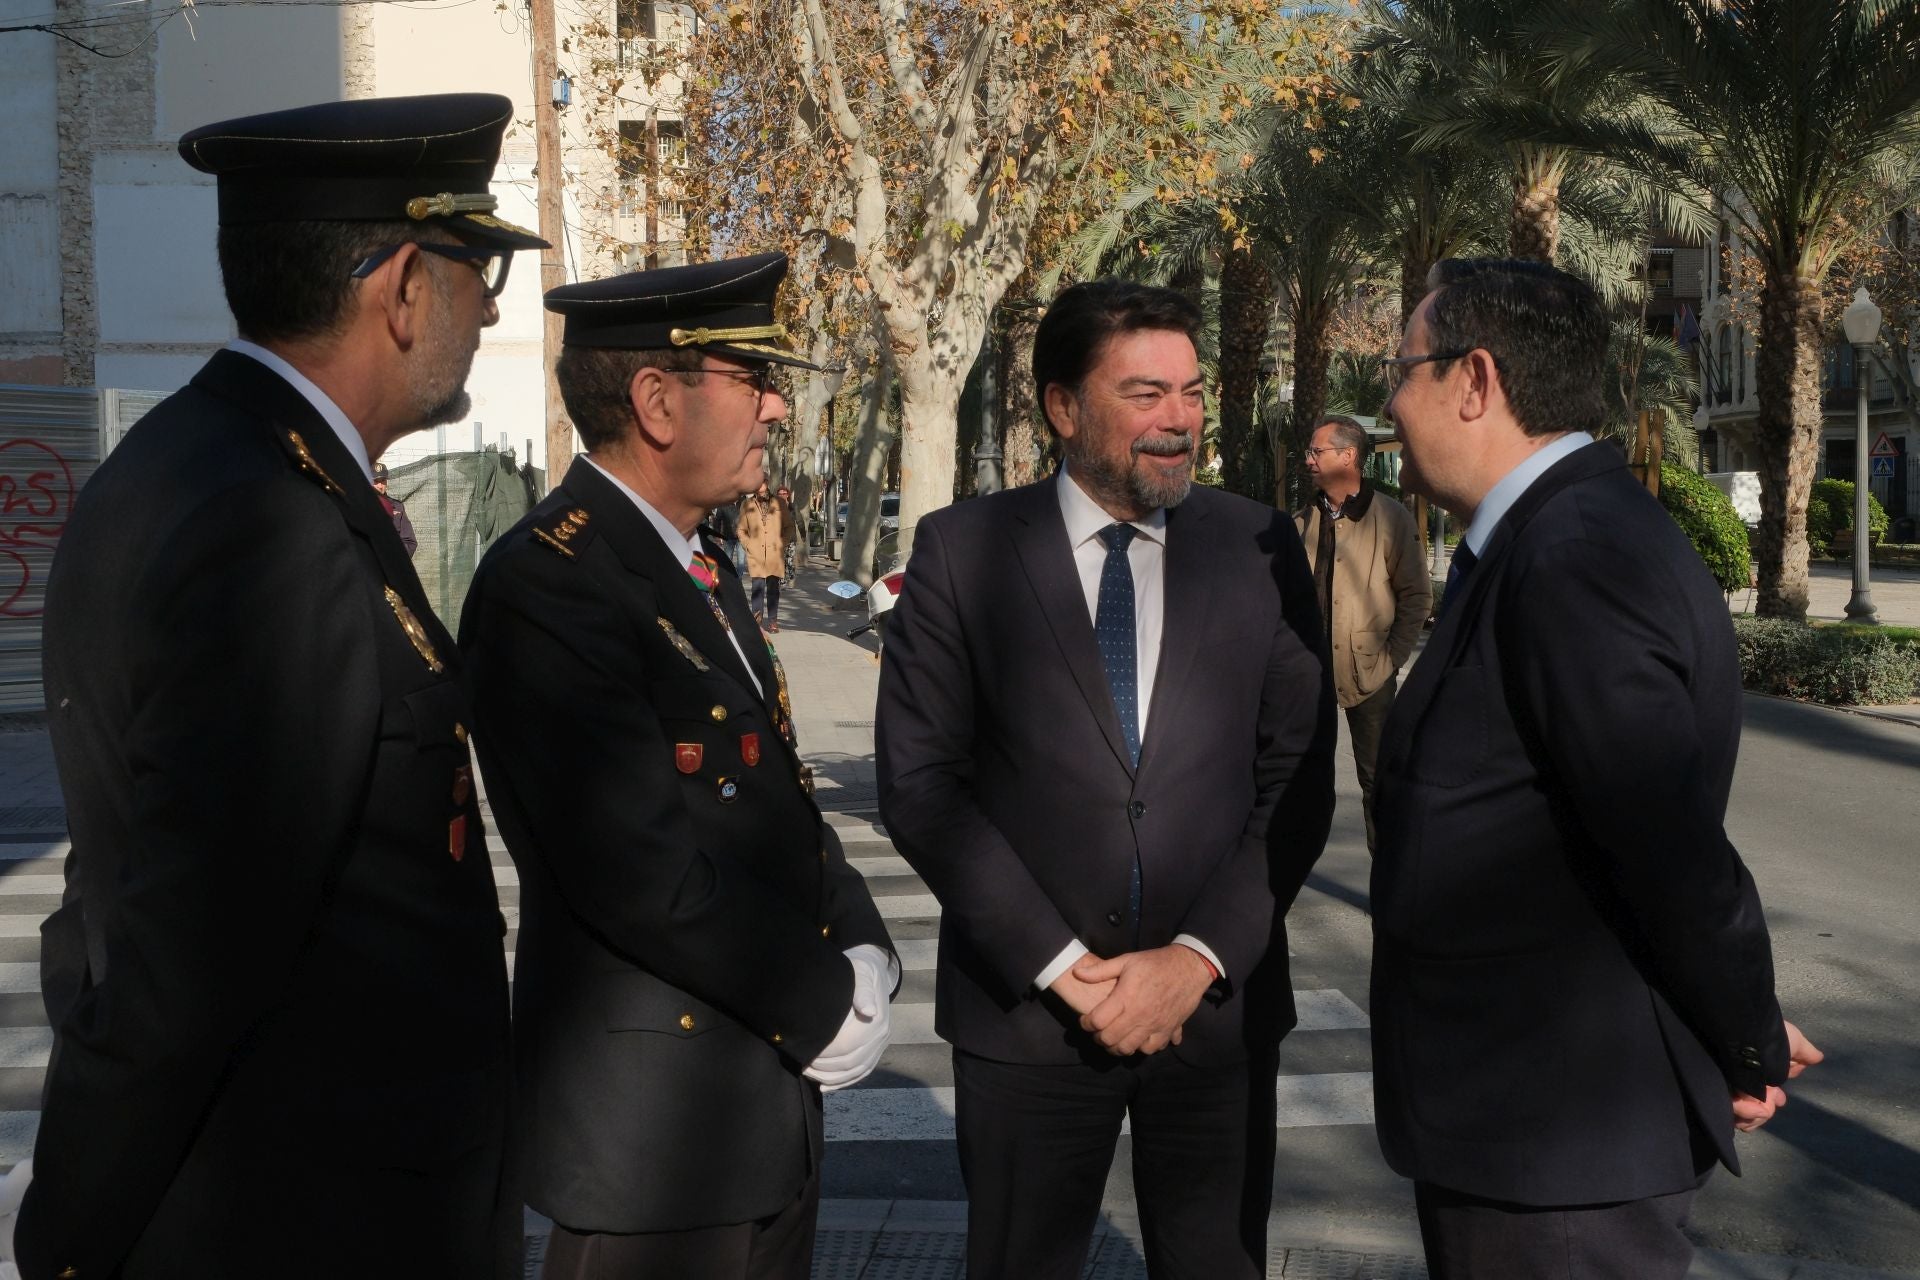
724,307
425,159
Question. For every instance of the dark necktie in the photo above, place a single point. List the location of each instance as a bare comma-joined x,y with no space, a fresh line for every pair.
1463,562
1113,631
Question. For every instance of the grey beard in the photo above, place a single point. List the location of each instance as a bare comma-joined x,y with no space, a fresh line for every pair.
1141,489
452,409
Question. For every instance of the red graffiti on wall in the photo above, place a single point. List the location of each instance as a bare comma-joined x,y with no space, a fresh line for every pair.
36,497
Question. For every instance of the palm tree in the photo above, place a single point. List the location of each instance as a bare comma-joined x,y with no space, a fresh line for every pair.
1802,111
1465,68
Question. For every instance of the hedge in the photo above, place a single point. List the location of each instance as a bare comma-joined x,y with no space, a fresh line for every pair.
1707,517
1843,665
1830,509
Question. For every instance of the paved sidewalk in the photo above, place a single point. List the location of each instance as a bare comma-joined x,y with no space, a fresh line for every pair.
863,1236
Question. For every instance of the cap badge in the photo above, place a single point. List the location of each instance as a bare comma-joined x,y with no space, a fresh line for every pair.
446,204
703,336
422,643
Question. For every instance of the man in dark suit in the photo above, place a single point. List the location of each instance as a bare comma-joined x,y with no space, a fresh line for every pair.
1572,981
1105,738
696,958
277,984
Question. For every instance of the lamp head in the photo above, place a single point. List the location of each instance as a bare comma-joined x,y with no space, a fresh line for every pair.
1861,320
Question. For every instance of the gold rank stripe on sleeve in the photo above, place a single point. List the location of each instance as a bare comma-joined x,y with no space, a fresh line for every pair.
311,467
422,643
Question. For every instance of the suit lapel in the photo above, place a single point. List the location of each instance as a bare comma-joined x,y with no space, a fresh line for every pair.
311,445
1184,617
1451,632
639,547
1040,540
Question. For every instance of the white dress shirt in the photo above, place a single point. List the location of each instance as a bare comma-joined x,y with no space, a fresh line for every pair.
322,403
682,549
1147,556
1500,498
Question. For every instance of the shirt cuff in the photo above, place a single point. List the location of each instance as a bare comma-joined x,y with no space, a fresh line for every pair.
1068,957
882,959
1206,952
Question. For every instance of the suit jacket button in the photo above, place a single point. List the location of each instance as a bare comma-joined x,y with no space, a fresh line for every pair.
719,714
1138,809
825,929
459,732
776,1037
686,1022
1113,918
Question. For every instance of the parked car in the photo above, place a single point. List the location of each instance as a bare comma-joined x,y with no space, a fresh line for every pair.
889,513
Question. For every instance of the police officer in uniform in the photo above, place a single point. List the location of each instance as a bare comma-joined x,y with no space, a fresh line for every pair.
277,982
696,960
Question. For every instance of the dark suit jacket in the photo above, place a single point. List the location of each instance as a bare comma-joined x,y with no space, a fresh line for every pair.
1005,782
277,983
1571,969
683,908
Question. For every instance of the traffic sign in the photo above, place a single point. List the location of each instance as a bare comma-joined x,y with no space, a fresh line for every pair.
1882,468
1883,448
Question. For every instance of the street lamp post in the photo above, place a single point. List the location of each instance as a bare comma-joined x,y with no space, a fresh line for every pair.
1862,324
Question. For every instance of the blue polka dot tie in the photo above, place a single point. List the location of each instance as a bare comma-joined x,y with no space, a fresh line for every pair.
1113,631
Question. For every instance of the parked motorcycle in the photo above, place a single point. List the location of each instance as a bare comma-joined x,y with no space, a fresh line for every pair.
881,597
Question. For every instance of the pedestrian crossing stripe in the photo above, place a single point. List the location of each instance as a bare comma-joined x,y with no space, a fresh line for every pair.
925,1114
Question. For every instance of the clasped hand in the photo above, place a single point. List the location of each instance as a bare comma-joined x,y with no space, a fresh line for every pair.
1749,1112
856,1050
1136,1002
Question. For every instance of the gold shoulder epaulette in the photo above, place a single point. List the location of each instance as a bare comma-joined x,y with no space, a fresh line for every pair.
565,530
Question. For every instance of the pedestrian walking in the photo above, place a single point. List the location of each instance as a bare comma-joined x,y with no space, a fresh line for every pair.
396,510
696,960
723,526
1105,741
1371,584
1573,996
277,983
766,530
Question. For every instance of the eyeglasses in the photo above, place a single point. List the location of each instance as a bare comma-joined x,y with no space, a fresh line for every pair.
1394,371
763,377
492,264
1332,448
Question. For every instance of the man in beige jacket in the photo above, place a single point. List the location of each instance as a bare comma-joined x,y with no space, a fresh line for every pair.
766,527
1373,588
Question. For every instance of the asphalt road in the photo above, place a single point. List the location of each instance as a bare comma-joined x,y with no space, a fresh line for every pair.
1825,810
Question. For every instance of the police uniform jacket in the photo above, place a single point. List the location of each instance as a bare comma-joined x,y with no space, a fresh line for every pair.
684,909
277,983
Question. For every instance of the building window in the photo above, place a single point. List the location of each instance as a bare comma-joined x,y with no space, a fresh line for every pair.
636,20
1660,272
1740,367
1726,363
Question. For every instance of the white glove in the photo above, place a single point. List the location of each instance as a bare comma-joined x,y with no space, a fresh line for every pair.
856,1051
12,1191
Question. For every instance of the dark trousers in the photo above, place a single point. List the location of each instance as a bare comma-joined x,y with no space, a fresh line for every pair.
1365,720
766,599
1036,1142
776,1248
1468,1238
